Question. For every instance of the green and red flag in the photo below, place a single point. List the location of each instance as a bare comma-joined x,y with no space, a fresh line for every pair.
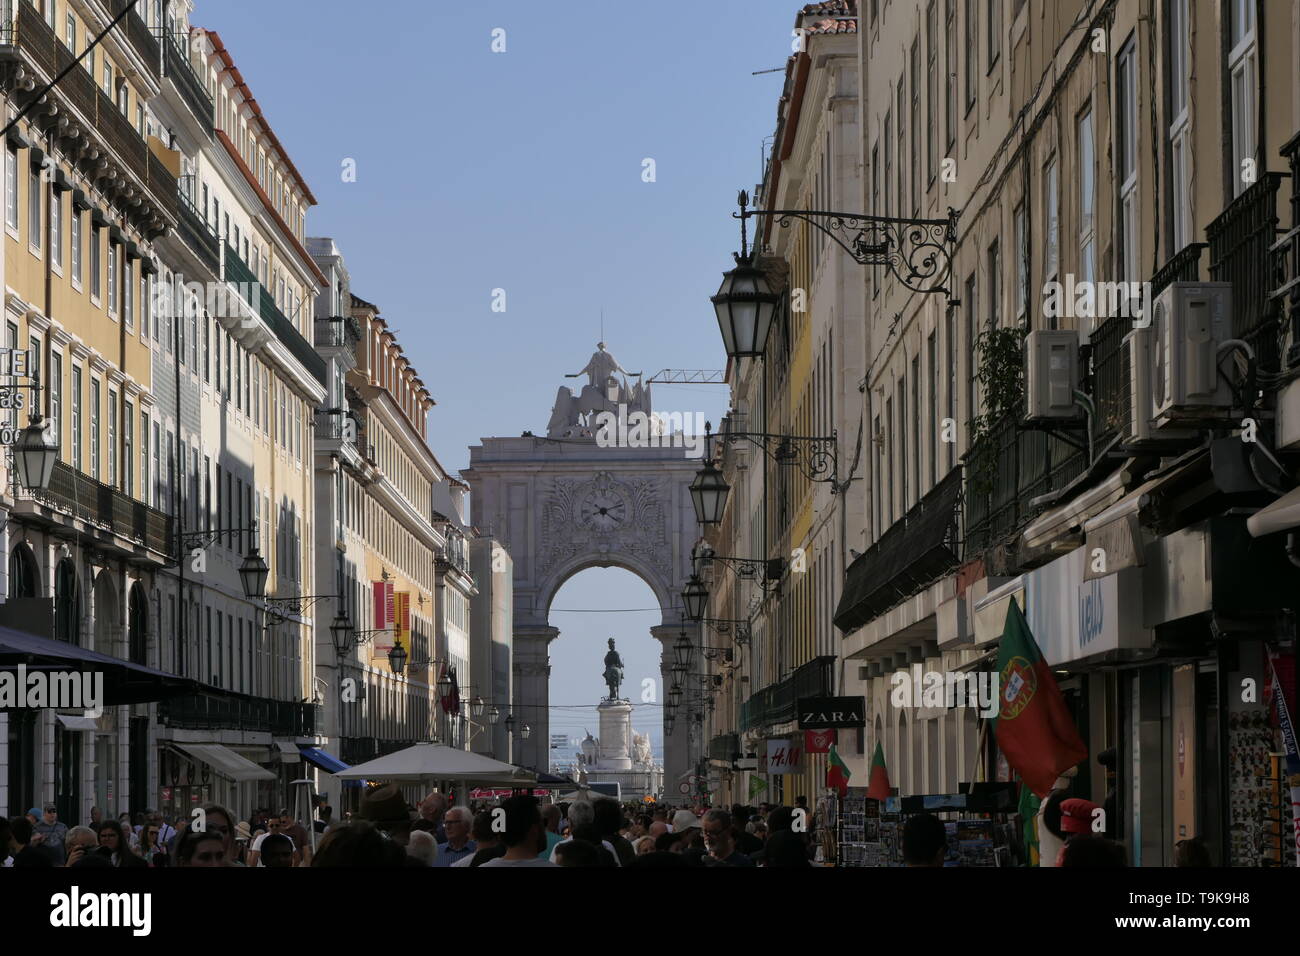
1034,729
837,773
878,782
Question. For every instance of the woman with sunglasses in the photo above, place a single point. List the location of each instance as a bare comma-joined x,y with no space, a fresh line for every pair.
150,850
114,844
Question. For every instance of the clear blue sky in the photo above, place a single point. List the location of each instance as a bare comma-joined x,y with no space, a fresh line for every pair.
522,171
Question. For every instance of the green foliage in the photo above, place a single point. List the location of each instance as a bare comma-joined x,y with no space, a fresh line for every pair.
1000,376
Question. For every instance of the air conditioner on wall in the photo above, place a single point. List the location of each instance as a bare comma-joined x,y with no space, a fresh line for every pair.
1190,321
1052,374
1139,356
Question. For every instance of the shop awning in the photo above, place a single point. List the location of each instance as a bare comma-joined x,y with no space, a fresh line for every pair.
124,682
1281,515
326,761
289,752
915,552
225,761
73,722
1116,531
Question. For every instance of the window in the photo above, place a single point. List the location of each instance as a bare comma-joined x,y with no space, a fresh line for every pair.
972,54
994,32
950,71
108,76
1126,132
128,448
890,482
916,128
1179,136
995,284
76,417
156,471
932,355
128,298
144,458
902,143
1051,222
56,228
969,301
112,278
71,33
1022,263
56,394
95,278
11,186
1087,199
1241,67
916,416
94,428
886,145
34,196
932,86
145,307
112,438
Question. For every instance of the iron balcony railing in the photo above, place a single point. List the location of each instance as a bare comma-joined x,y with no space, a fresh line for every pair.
235,270
1241,241
1286,263
1110,371
197,234
1004,472
176,67
337,331
280,718
75,493
778,703
32,37
138,35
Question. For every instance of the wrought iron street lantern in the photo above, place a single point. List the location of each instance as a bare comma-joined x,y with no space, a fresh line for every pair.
682,652
694,597
342,633
494,714
253,574
709,489
526,732
397,659
476,707
745,303
35,454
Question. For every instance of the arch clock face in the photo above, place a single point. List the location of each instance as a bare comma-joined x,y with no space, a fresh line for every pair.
602,511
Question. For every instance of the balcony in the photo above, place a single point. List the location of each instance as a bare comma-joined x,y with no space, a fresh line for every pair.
1005,472
1242,240
196,234
1286,262
1110,372
138,35
778,703
235,270
106,507
724,747
280,718
29,38
176,67
338,331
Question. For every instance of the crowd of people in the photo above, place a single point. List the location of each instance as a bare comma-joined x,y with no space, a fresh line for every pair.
386,831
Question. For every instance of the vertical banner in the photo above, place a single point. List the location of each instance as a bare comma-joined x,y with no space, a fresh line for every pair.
384,604
402,621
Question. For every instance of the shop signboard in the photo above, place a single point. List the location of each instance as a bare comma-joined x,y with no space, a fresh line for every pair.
783,756
1074,619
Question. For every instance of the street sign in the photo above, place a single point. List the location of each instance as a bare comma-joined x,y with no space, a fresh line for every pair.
559,741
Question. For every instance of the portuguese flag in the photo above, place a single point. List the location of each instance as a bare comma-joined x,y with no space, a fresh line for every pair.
1033,728
878,784
837,773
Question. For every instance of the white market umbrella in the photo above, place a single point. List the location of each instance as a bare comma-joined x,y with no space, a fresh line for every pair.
430,762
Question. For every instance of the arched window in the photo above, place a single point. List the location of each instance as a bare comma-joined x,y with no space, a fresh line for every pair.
138,625
67,603
24,576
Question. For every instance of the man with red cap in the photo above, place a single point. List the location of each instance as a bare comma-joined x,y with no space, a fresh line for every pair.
1077,816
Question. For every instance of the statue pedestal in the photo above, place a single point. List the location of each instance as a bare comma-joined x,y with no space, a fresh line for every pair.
615,735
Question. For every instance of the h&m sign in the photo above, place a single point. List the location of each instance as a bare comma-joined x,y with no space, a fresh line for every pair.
816,713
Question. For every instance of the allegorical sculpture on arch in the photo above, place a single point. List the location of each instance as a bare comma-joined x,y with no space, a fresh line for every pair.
573,416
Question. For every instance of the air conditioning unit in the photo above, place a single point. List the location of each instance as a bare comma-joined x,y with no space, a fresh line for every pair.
1052,373
1191,321
1138,365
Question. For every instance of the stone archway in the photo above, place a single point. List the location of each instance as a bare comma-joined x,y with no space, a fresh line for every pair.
560,505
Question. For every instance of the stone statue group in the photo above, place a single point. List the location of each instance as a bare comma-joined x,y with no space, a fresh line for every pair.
572,415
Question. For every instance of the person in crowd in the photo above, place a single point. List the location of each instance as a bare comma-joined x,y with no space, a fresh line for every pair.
296,832
199,848
486,840
114,844
1050,835
524,834
421,847
216,820
925,842
34,816
433,809
608,821
668,843
21,849
132,832
781,849
359,843
577,853
166,832
324,816
720,839
551,819
274,826
386,808
1191,852
644,845
80,842
582,825
1091,850
277,851
6,860
151,851
96,818
686,826
457,822
50,834
1077,816
657,829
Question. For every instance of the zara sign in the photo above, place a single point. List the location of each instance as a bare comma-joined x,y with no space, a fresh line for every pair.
817,713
